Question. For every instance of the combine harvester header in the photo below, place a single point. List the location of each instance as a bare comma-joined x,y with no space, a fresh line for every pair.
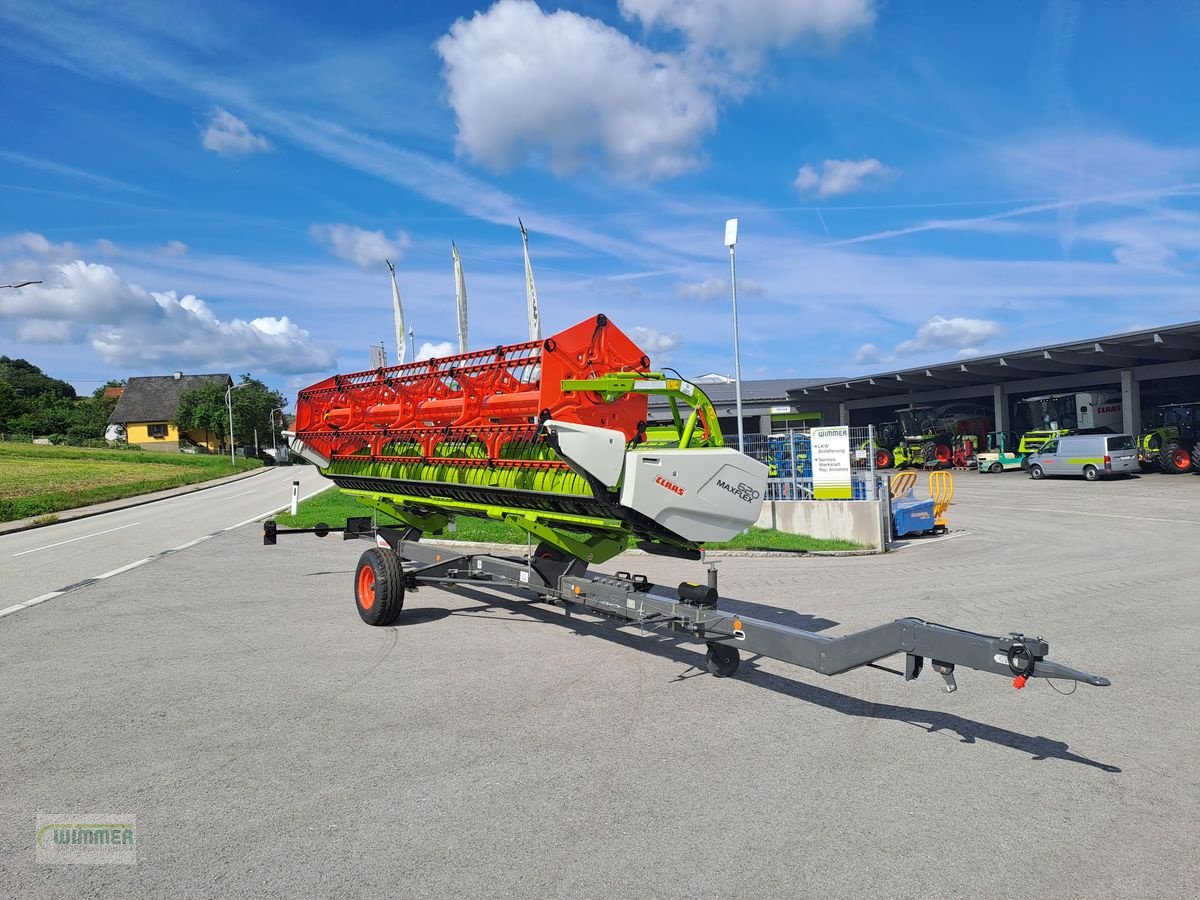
552,436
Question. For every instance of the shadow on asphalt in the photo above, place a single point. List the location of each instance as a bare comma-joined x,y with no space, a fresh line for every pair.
670,646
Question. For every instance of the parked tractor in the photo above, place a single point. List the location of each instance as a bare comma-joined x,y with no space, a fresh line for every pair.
941,437
1055,415
888,436
1002,453
1171,443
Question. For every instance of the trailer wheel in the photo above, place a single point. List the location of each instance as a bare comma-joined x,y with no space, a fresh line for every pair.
1091,473
379,587
1035,472
721,660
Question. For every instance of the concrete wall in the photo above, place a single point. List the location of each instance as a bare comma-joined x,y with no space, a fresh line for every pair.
850,520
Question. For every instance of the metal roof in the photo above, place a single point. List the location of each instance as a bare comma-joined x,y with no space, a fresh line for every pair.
1152,346
764,390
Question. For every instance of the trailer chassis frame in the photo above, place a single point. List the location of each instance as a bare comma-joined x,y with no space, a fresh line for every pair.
693,610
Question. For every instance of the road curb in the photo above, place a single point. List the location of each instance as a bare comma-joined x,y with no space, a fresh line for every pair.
84,512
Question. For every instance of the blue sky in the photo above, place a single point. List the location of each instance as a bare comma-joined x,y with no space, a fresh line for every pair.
213,187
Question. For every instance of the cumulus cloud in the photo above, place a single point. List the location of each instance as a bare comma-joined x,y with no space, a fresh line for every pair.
565,89
742,29
429,350
717,289
841,176
227,135
173,248
365,249
955,334
130,326
37,244
654,341
868,355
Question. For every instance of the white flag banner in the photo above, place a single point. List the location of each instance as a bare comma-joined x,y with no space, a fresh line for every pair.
535,316
460,298
398,312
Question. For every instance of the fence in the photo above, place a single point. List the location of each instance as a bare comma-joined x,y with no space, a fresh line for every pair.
788,458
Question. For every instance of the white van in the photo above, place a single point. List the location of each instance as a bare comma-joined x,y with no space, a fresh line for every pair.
1089,455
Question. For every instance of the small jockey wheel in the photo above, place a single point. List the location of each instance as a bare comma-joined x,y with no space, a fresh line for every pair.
722,660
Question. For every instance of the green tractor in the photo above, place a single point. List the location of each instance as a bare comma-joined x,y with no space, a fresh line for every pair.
1172,443
1002,453
888,436
943,437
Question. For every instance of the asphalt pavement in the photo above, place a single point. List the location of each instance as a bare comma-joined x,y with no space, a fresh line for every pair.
271,744
42,563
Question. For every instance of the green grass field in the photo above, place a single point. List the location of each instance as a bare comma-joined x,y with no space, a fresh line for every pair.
37,480
333,508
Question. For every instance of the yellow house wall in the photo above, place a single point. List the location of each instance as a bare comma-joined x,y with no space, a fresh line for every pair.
139,433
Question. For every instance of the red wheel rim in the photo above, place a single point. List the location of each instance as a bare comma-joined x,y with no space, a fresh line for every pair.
366,587
882,460
1182,459
942,453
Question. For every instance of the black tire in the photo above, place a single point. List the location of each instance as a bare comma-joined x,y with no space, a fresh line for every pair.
1091,473
929,453
995,467
722,660
379,587
1036,473
884,458
1196,457
1024,463
1173,459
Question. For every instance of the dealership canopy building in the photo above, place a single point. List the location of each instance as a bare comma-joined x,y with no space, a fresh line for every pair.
1139,369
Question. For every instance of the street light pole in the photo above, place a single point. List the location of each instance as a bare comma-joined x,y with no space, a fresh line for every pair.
274,445
229,406
731,227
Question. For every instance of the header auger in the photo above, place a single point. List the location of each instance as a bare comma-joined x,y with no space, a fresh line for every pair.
552,436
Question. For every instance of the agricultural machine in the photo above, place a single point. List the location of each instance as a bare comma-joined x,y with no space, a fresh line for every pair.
888,436
1055,415
942,437
1002,453
1172,444
551,436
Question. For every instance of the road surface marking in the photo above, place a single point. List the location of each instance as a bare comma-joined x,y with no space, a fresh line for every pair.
73,540
1095,515
141,562
242,494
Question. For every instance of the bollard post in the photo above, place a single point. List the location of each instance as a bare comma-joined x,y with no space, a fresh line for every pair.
295,497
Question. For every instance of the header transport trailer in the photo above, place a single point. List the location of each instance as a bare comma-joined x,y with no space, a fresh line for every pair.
551,436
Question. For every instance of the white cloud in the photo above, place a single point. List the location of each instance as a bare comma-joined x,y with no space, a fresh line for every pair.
564,88
105,247
951,334
841,176
868,355
742,29
359,246
227,135
429,350
652,340
717,289
37,244
172,248
129,326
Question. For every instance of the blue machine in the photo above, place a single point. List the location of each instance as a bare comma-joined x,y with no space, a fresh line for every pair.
911,515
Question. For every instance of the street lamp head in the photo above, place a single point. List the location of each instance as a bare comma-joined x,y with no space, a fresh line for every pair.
730,233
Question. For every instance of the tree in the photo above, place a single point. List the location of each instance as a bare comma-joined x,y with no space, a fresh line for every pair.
203,409
30,381
252,405
9,405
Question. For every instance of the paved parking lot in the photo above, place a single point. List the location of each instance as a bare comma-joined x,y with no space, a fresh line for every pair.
270,743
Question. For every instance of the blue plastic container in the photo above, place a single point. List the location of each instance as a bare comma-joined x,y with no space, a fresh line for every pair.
911,516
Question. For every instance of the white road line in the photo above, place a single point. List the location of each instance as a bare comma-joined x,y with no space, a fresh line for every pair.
141,562
73,540
242,494
276,509
132,565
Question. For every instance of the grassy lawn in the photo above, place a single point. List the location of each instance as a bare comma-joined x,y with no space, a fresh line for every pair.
36,480
333,508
